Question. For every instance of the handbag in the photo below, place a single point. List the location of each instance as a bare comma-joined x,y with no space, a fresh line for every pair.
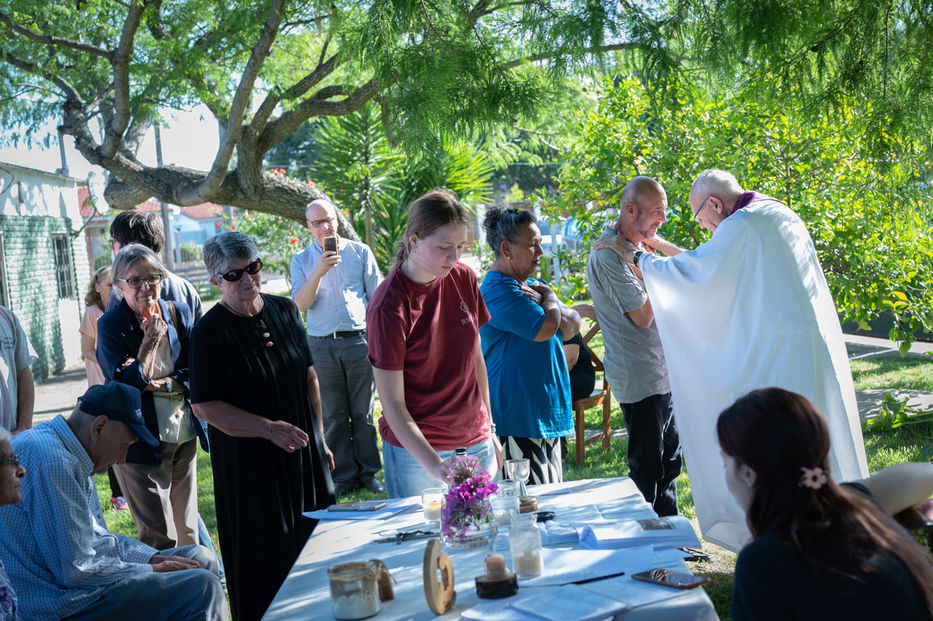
173,413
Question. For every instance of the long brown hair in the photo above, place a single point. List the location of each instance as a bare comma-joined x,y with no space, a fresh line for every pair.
428,213
92,298
776,433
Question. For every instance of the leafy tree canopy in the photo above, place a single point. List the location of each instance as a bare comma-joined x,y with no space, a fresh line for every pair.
869,219
106,68
264,68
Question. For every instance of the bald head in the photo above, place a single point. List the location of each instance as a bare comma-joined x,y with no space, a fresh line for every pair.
642,209
638,188
321,217
320,203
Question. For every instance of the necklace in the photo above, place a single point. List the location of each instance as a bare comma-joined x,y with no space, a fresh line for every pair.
240,313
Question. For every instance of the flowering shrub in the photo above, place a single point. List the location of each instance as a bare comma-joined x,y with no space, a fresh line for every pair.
465,503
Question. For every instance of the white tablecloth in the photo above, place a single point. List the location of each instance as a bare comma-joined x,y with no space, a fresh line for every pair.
305,593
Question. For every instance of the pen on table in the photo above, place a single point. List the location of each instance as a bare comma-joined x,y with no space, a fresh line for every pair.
585,580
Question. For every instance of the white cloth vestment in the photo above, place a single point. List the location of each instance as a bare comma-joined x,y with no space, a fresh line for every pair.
750,309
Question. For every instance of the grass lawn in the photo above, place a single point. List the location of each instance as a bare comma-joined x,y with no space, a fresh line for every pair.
883,449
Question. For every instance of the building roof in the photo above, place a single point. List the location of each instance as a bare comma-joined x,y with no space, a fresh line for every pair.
55,174
203,211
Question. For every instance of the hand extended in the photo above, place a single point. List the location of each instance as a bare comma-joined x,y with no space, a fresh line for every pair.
286,436
617,244
656,243
327,262
163,563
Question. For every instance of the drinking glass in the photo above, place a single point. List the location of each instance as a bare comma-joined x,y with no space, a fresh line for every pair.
518,470
431,504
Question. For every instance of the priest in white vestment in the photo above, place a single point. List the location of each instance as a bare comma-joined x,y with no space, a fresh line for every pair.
748,309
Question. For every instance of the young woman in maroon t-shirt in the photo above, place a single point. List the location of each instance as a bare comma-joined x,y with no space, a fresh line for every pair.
423,330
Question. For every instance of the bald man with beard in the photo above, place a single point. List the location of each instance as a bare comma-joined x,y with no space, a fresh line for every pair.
634,360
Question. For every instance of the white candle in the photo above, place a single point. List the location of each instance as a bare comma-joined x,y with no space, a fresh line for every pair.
495,566
528,564
432,511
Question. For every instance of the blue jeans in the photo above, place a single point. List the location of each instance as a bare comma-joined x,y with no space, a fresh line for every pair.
405,476
177,595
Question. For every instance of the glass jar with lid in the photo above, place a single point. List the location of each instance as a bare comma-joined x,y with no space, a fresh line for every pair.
525,545
354,590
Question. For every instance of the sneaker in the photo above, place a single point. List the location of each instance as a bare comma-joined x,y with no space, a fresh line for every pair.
118,503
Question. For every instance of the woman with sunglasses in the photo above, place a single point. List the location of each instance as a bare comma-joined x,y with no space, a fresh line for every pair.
143,342
252,382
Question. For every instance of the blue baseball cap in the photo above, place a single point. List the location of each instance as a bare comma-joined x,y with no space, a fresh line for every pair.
120,402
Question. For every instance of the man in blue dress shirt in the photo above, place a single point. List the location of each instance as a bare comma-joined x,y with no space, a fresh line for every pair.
334,287
61,559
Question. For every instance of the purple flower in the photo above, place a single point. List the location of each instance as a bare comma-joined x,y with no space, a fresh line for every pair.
465,503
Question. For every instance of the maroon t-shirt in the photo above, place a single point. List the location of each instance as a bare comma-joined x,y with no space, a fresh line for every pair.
429,332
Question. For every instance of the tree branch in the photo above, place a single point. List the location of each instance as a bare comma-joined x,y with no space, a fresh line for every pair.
70,92
282,127
121,81
296,90
596,49
51,40
202,191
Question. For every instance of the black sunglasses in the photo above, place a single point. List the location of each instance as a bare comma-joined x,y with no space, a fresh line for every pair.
235,275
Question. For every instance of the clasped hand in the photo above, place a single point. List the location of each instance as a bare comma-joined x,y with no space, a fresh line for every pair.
154,327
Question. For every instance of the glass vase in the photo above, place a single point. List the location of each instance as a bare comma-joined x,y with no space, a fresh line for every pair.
469,525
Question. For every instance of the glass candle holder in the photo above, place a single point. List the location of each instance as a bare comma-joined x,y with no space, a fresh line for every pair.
431,500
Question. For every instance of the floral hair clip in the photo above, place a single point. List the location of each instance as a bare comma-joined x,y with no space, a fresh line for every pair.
814,478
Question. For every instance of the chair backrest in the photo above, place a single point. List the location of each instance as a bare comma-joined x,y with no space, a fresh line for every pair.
588,312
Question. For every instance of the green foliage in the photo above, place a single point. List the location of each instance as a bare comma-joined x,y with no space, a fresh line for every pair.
190,251
895,413
279,239
829,54
868,218
368,178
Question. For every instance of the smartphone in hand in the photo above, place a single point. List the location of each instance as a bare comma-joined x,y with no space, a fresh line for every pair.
670,578
330,244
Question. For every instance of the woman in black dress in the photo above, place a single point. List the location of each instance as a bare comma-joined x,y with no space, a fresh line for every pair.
252,382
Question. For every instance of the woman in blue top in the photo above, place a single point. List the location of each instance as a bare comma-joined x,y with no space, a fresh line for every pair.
529,386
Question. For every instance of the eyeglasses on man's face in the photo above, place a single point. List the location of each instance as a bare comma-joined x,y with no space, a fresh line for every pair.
235,275
316,224
702,205
135,282
12,461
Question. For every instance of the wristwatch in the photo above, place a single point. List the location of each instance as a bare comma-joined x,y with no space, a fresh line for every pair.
637,257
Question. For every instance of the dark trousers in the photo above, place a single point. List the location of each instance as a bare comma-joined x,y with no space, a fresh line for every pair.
348,395
654,458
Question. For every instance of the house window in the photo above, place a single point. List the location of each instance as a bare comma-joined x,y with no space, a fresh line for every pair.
4,290
64,272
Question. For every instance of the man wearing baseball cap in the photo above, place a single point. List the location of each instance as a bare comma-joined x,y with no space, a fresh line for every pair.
61,559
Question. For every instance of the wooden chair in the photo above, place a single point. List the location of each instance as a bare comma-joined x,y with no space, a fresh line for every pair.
601,396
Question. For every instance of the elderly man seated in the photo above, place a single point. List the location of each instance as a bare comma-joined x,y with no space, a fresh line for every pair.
62,560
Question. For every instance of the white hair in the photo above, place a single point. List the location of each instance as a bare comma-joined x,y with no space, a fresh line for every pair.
716,182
